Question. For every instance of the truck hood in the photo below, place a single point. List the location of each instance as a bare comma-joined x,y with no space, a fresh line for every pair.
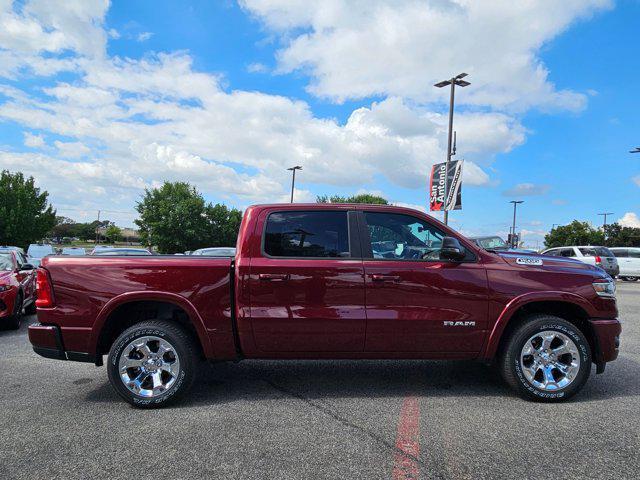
547,262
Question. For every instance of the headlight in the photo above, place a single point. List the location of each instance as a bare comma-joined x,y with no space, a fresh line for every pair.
4,288
605,288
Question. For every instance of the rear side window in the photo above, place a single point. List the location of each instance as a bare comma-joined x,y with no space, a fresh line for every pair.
553,253
603,252
567,252
314,234
588,252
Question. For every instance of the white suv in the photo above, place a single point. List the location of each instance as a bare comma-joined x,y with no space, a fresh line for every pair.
599,256
629,260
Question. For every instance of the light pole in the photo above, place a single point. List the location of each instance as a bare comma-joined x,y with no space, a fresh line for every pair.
293,179
457,80
514,244
604,224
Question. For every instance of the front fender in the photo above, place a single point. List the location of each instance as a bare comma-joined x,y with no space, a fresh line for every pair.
157,296
516,303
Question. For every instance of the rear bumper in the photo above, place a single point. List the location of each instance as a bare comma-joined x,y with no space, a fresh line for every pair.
46,341
606,334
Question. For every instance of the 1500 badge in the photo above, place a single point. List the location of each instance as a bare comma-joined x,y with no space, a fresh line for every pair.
528,261
449,323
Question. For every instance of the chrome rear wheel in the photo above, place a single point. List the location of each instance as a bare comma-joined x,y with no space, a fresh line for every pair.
149,366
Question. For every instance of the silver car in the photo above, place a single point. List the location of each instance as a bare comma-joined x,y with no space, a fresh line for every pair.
593,255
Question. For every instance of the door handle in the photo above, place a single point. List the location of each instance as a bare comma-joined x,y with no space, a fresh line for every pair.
385,278
274,277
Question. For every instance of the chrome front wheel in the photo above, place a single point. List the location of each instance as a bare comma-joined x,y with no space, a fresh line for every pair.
550,360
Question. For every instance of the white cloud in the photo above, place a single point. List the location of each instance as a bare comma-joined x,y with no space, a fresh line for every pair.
71,149
636,180
257,67
33,140
144,36
356,49
630,219
526,190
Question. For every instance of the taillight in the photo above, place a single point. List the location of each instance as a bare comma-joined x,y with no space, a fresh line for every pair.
598,260
44,290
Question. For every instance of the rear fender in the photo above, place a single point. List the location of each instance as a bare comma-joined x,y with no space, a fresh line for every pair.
515,304
167,297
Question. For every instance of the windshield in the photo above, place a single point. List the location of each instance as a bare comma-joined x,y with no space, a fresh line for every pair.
121,251
39,251
6,262
216,252
490,243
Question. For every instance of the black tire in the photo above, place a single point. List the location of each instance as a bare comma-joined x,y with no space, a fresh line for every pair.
511,365
14,321
185,348
30,309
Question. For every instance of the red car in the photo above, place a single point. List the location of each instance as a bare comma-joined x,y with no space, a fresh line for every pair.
17,288
332,281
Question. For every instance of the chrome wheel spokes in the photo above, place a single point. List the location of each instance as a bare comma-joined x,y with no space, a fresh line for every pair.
149,366
550,360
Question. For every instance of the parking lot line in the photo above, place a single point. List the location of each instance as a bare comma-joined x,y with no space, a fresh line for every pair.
405,465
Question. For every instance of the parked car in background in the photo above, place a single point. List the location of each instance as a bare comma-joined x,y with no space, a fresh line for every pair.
593,255
17,288
73,251
12,248
216,252
120,251
629,262
37,251
497,244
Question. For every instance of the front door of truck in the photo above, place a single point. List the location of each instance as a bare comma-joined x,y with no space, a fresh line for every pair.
307,282
415,301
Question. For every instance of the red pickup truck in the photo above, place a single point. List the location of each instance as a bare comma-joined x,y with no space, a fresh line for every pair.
327,281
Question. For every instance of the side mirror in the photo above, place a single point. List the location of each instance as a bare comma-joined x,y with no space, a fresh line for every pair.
452,250
26,267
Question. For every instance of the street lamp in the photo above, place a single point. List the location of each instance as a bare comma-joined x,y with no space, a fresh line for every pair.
514,244
457,80
293,179
604,224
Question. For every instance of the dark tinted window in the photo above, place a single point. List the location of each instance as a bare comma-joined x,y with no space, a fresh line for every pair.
634,253
553,253
621,253
603,252
307,234
403,237
588,251
567,252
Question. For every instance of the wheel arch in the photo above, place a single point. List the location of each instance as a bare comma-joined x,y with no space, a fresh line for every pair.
570,307
134,307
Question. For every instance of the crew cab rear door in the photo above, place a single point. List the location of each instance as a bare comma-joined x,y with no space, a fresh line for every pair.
306,283
415,301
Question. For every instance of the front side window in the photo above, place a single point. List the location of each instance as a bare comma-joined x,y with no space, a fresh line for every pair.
313,234
403,237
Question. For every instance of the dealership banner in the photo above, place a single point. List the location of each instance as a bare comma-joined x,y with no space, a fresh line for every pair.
454,180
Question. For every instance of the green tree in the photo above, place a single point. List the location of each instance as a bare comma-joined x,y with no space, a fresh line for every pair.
113,233
576,233
25,214
175,218
64,227
619,236
360,198
224,224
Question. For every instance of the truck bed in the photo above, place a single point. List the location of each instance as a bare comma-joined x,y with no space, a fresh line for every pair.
88,290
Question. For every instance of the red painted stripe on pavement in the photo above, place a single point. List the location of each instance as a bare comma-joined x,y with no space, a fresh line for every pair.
405,465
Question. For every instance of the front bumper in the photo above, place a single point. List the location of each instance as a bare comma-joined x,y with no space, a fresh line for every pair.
7,301
46,341
606,334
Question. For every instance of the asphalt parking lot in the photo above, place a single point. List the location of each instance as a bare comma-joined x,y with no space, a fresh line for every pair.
320,419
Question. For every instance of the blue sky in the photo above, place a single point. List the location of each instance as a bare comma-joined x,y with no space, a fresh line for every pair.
99,101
